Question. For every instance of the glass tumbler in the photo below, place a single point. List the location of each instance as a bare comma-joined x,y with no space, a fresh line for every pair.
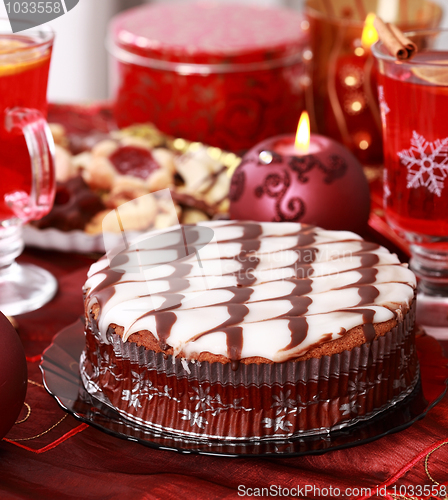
27,182
414,106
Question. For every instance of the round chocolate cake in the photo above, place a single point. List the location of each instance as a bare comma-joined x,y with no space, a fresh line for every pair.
240,330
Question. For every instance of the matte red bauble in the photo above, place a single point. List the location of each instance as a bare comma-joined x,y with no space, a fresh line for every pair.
13,375
325,187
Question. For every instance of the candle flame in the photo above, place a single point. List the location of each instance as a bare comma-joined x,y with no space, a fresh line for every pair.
369,33
303,133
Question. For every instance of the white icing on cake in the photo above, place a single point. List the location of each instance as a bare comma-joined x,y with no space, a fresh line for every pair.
257,289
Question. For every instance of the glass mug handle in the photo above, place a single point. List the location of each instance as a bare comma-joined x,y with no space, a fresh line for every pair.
40,145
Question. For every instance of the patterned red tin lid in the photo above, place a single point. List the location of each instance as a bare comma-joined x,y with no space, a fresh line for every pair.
209,33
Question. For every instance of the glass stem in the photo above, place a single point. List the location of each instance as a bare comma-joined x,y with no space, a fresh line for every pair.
11,245
431,267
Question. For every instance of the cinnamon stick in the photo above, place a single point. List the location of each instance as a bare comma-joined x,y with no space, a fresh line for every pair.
396,43
410,46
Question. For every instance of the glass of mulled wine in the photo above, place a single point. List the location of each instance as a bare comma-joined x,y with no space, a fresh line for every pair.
27,181
413,97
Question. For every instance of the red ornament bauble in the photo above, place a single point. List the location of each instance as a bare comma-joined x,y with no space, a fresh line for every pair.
13,375
326,187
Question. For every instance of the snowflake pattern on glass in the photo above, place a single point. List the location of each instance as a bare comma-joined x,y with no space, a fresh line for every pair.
426,163
386,189
384,108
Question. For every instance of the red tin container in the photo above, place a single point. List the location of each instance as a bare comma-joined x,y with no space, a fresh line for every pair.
226,75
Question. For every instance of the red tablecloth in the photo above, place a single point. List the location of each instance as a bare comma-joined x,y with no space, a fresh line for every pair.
52,455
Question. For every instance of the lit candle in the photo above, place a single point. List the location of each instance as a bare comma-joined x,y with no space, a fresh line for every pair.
302,145
303,178
369,34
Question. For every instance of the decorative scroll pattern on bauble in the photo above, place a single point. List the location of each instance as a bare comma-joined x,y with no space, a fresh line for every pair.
237,184
276,186
335,168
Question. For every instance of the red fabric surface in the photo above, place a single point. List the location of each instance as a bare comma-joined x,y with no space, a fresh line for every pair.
72,460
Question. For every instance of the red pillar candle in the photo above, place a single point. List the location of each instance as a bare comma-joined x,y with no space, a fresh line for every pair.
319,183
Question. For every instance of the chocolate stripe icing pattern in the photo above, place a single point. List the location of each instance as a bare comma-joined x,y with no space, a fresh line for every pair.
273,290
